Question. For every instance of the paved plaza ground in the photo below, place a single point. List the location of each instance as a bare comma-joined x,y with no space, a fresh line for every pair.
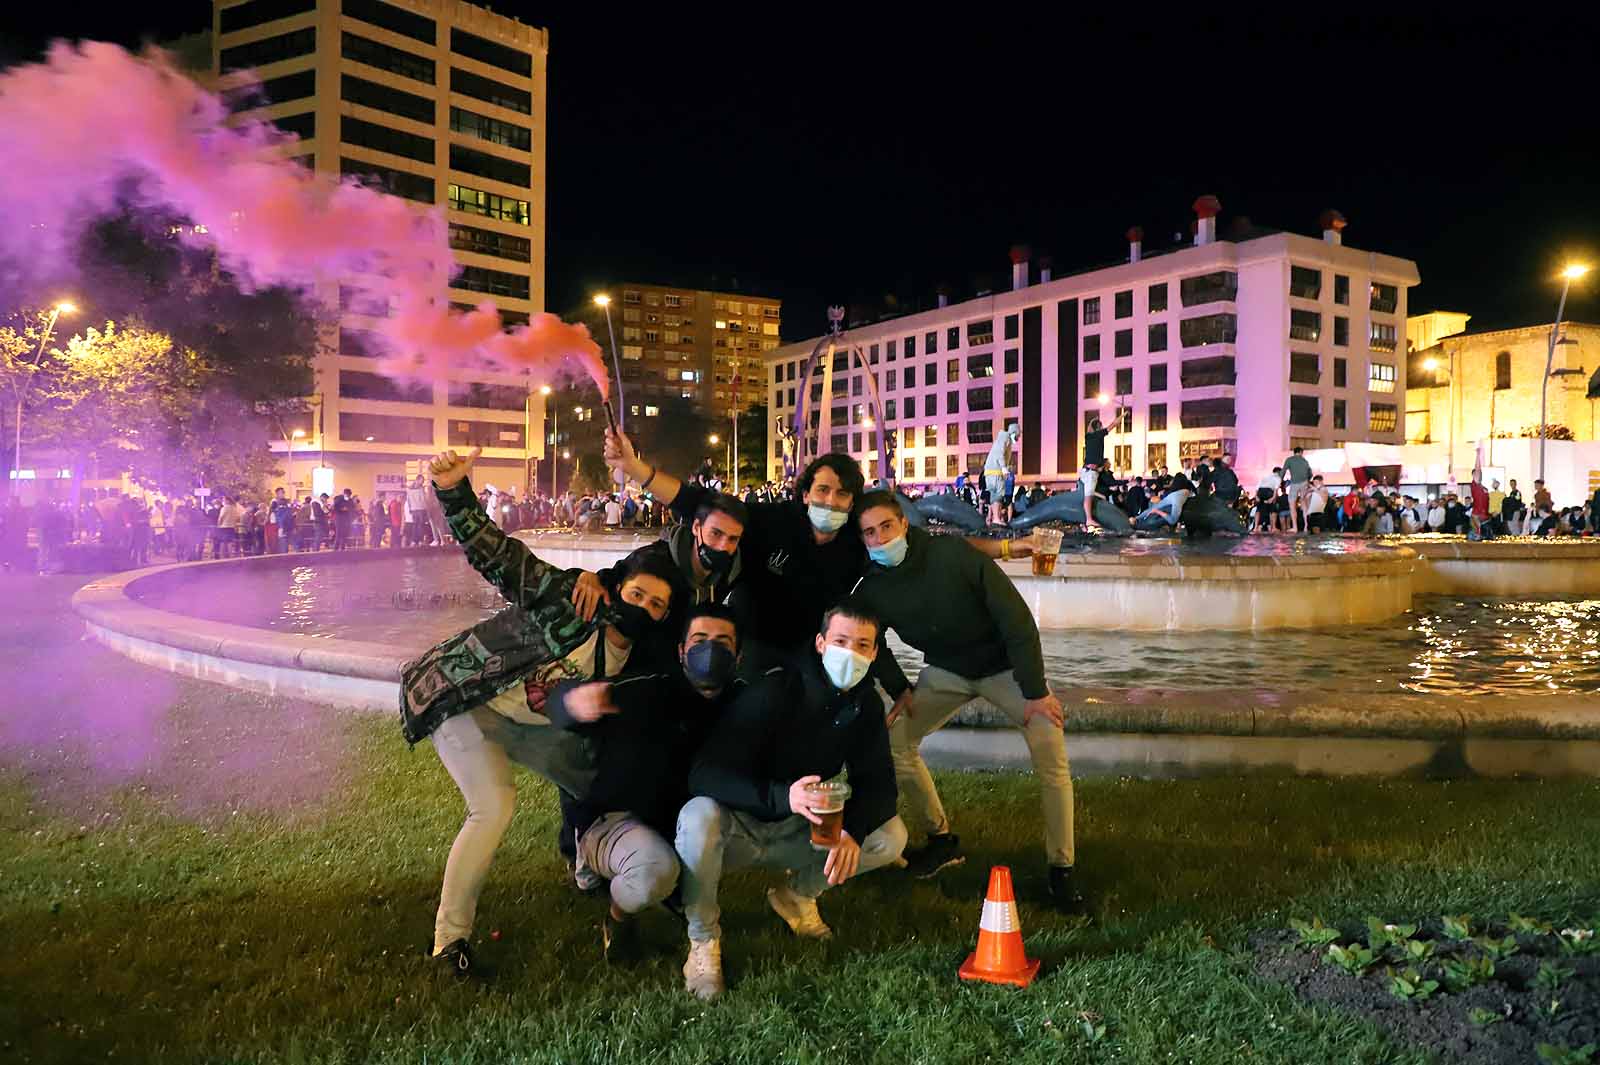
194,873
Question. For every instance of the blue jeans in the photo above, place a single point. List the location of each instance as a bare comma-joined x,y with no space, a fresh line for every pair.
713,838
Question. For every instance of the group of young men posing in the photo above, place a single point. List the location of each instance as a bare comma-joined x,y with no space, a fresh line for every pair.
684,700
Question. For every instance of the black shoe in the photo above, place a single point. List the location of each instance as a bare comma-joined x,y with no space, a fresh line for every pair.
457,960
940,852
619,939
1064,894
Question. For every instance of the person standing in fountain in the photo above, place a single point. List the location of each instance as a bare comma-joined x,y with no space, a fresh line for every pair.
979,640
997,467
479,696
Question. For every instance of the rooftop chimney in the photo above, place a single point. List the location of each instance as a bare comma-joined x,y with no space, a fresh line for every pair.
1135,244
1045,268
1333,224
1206,209
944,295
1019,266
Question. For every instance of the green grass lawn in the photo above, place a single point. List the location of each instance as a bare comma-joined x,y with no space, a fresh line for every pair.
139,927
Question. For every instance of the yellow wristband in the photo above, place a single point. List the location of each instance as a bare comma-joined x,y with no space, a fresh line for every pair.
1005,548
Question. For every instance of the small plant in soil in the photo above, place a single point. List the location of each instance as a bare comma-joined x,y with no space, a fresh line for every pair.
1381,935
1528,926
1482,1018
1409,985
1498,949
1459,928
1463,973
1578,941
1555,1054
1354,959
1551,976
1313,934
1415,951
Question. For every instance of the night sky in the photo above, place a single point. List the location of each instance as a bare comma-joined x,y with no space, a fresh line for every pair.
850,159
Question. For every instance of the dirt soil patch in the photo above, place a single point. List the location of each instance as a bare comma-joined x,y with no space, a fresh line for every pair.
1444,1024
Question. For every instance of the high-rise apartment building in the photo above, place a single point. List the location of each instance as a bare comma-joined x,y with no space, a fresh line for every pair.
443,103
1239,347
706,347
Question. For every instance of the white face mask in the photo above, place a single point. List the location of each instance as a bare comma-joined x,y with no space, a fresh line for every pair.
844,667
826,519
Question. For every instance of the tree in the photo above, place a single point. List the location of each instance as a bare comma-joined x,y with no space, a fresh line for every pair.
754,425
21,359
190,374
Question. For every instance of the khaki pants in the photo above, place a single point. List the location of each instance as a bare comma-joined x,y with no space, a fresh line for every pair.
939,694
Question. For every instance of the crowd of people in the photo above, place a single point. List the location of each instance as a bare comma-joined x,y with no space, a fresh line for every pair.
697,703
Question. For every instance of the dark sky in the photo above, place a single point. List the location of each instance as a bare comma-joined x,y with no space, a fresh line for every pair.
844,157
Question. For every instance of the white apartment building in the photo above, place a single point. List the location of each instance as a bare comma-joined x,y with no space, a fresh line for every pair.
1244,348
443,103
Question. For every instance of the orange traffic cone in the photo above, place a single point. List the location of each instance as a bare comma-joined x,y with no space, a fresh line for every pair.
999,958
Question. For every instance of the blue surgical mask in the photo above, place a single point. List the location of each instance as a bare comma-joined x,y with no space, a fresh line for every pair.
890,554
826,519
709,664
844,667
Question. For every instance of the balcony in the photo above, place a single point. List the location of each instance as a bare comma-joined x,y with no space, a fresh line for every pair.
1207,373
1208,329
1209,288
1206,414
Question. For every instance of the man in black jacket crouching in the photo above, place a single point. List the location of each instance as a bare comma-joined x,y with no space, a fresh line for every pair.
645,730
796,726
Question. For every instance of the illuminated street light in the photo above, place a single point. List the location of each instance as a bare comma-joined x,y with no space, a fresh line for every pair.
713,439
1571,273
299,434
544,390
61,307
1102,398
565,453
1430,363
602,300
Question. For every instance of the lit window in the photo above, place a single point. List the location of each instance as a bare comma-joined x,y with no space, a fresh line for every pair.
651,412
720,324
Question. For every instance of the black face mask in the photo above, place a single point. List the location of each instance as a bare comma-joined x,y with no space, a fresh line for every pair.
713,560
633,620
709,664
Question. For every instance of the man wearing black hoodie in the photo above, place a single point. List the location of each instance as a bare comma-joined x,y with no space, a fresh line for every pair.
645,730
792,728
979,639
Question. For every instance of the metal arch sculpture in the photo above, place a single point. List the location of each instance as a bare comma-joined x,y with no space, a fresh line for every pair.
806,445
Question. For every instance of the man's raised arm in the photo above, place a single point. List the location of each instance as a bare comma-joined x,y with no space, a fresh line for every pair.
504,561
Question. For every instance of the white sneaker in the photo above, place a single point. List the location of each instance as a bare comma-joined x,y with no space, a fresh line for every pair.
702,972
798,912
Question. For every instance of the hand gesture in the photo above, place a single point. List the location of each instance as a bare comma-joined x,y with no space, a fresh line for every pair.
588,594
844,858
590,702
800,799
1048,707
621,456
902,705
450,469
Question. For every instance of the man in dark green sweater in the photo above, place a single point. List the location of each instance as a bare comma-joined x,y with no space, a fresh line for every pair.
979,639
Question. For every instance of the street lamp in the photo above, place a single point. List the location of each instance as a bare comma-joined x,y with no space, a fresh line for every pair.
1571,273
57,311
555,438
603,301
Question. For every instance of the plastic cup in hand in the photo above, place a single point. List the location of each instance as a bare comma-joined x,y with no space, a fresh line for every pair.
1046,547
827,800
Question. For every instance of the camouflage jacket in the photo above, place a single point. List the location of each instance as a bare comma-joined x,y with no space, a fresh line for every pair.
540,626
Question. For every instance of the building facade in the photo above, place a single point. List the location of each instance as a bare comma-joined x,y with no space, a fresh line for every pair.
1473,387
1241,348
443,103
703,346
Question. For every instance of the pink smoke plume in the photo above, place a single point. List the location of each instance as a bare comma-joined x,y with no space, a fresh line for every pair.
80,127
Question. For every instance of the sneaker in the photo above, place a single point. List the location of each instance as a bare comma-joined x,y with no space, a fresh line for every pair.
619,939
702,971
799,913
940,852
457,960
1064,894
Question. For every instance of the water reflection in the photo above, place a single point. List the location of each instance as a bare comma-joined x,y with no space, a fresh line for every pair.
1445,644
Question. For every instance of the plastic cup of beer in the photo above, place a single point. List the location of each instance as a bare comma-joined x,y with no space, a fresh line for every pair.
827,801
1047,546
